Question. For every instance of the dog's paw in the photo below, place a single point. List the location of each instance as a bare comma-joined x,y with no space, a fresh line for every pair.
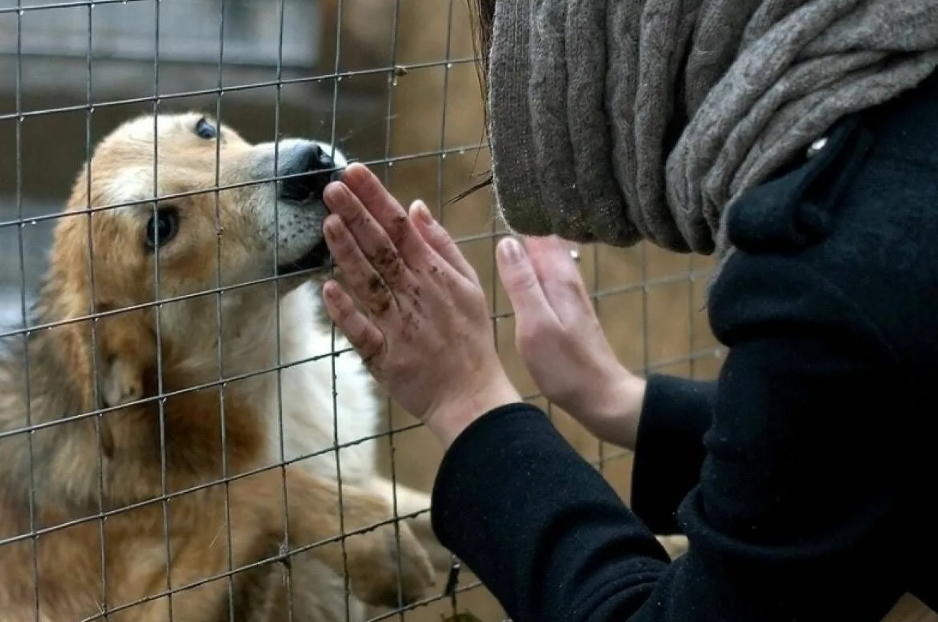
384,562
389,567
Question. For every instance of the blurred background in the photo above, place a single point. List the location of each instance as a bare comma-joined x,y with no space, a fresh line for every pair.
391,81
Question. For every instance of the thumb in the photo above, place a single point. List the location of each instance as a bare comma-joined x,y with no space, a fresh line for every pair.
520,281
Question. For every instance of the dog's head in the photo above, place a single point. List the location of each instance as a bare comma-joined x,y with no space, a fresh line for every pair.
209,206
197,208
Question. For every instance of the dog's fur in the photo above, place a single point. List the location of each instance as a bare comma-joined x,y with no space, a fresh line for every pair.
74,465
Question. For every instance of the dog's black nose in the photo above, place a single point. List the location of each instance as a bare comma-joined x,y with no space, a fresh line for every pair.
308,171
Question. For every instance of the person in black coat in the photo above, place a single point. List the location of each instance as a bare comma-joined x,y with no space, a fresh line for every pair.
801,476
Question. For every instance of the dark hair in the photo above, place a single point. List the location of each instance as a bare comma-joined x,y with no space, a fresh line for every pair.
481,22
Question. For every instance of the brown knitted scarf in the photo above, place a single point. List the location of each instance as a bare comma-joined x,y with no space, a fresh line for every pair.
619,120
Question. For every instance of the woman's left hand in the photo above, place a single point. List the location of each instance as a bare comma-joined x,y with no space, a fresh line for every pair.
422,324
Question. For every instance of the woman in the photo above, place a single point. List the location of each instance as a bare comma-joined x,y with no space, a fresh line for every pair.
798,140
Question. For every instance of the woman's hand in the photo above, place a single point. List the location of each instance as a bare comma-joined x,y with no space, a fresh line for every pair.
562,343
422,324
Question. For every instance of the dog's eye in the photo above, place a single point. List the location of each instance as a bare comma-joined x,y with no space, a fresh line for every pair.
162,227
205,130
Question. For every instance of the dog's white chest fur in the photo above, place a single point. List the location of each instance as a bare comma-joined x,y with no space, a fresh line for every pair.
325,399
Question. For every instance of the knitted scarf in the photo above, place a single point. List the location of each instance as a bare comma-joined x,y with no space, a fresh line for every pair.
620,120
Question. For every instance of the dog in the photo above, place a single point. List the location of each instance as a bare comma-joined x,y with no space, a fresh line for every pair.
180,463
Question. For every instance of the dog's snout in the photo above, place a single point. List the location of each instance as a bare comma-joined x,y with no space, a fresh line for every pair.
307,172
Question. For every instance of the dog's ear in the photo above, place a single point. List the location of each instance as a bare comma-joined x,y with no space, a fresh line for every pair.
126,351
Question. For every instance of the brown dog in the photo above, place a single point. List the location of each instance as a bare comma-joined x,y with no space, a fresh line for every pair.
169,505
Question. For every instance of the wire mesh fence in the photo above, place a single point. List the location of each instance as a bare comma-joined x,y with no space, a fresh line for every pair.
390,83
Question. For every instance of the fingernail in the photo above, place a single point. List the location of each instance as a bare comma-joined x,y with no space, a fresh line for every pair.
330,227
333,291
423,212
510,250
334,192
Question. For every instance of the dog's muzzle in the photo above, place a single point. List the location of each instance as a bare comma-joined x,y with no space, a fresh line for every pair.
307,171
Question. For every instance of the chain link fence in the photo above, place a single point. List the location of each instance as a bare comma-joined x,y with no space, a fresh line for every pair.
393,84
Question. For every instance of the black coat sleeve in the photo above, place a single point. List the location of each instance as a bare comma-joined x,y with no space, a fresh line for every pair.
669,451
787,522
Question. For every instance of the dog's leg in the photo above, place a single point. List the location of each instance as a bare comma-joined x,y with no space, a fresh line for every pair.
411,501
371,559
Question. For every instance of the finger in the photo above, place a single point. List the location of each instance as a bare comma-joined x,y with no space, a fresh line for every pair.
368,234
521,283
559,276
364,336
439,240
387,211
364,281
551,257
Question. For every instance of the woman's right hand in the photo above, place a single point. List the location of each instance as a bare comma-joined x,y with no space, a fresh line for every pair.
562,342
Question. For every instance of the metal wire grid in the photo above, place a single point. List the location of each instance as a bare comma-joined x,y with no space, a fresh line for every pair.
252,33
605,296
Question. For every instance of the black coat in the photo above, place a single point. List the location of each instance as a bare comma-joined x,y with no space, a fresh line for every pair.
803,476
